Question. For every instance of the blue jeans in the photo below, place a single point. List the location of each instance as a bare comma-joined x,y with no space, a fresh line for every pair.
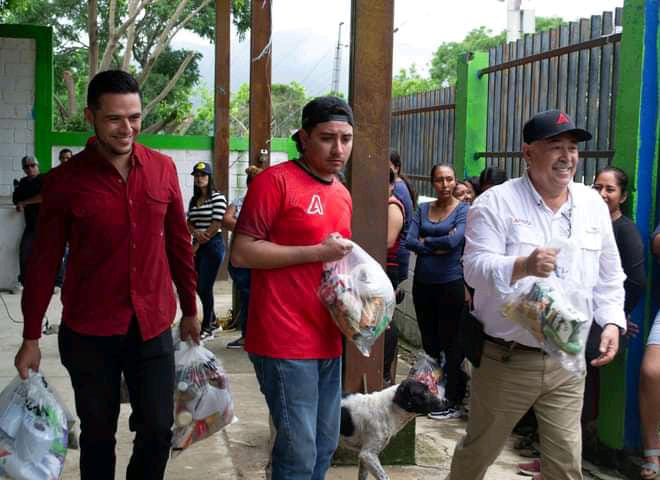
207,263
241,278
303,398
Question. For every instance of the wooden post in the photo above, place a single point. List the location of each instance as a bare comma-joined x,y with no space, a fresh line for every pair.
260,82
370,97
222,94
222,97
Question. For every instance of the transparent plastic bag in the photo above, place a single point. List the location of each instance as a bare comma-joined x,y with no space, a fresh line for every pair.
428,371
359,296
33,431
555,310
202,401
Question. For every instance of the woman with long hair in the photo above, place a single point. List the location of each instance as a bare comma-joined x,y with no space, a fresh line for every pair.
437,236
205,213
406,194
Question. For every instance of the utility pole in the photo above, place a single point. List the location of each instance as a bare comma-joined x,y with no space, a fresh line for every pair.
334,88
519,21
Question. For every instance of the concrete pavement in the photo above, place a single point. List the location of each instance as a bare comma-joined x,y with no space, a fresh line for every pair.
240,451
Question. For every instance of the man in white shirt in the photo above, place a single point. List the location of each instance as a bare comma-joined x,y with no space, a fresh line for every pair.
508,232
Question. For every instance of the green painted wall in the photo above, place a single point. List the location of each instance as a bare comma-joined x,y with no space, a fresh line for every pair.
470,115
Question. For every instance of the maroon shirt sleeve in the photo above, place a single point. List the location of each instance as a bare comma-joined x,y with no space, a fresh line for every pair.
261,206
47,252
179,248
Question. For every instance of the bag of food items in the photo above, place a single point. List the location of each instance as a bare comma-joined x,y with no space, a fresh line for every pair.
359,296
34,430
428,371
202,401
555,311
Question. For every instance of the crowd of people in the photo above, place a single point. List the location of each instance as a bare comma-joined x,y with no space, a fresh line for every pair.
129,240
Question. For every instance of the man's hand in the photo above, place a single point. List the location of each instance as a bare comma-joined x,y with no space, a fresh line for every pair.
28,357
541,262
333,248
609,345
190,328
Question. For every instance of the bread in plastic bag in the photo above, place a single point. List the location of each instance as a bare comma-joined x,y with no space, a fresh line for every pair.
33,431
428,371
203,404
359,296
555,310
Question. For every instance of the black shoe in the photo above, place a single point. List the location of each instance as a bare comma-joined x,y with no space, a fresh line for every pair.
236,344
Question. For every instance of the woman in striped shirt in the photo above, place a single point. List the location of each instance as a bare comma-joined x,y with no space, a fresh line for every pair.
205,212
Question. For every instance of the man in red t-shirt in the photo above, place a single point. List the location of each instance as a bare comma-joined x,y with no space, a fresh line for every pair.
292,221
118,206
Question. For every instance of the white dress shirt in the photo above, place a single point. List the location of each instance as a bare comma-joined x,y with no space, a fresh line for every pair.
511,220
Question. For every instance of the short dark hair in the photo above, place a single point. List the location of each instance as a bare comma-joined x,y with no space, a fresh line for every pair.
492,176
620,175
63,151
110,81
435,167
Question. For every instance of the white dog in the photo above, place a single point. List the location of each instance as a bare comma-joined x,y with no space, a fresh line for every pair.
368,422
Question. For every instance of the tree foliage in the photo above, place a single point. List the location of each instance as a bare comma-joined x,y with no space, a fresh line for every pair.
133,35
443,63
288,101
410,81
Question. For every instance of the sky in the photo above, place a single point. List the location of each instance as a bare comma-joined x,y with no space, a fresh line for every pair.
305,35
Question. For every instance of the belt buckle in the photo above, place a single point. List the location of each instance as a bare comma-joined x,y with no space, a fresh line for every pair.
507,356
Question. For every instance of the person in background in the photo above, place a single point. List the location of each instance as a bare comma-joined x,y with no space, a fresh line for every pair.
118,204
437,235
65,155
406,194
490,177
395,239
240,276
464,191
649,387
27,198
205,213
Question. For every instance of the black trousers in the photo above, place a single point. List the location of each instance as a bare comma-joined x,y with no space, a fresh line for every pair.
439,310
95,365
25,248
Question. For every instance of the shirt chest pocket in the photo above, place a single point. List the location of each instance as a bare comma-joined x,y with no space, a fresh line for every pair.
522,240
153,210
591,245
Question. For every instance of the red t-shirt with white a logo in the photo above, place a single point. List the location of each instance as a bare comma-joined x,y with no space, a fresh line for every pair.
287,205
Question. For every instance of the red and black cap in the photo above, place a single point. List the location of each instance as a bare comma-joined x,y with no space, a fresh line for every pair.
325,109
551,123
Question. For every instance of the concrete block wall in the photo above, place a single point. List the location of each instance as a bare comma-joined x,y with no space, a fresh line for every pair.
17,67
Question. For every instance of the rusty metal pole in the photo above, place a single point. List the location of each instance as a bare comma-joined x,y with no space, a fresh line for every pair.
260,82
370,96
222,97
222,94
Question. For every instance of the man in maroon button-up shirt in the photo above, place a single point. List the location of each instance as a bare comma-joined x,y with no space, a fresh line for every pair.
118,205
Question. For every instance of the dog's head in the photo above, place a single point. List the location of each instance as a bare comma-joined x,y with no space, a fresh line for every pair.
415,397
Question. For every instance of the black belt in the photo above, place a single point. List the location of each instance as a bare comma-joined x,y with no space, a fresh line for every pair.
512,345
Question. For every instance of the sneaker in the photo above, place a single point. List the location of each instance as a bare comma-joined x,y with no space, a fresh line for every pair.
206,335
530,469
450,411
236,344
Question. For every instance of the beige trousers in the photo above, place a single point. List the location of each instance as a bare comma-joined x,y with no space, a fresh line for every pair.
504,387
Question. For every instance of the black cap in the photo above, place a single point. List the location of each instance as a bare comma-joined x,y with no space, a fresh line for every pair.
202,167
550,124
325,109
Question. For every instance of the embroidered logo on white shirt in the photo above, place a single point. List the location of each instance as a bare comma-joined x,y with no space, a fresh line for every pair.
315,206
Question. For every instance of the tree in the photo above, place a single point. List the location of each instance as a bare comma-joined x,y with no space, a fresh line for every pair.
288,101
132,35
410,81
443,63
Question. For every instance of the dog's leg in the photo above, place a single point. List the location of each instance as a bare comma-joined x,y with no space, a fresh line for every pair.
362,471
372,464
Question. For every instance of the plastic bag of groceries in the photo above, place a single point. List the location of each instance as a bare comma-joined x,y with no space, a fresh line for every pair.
555,310
359,296
202,401
33,431
428,371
